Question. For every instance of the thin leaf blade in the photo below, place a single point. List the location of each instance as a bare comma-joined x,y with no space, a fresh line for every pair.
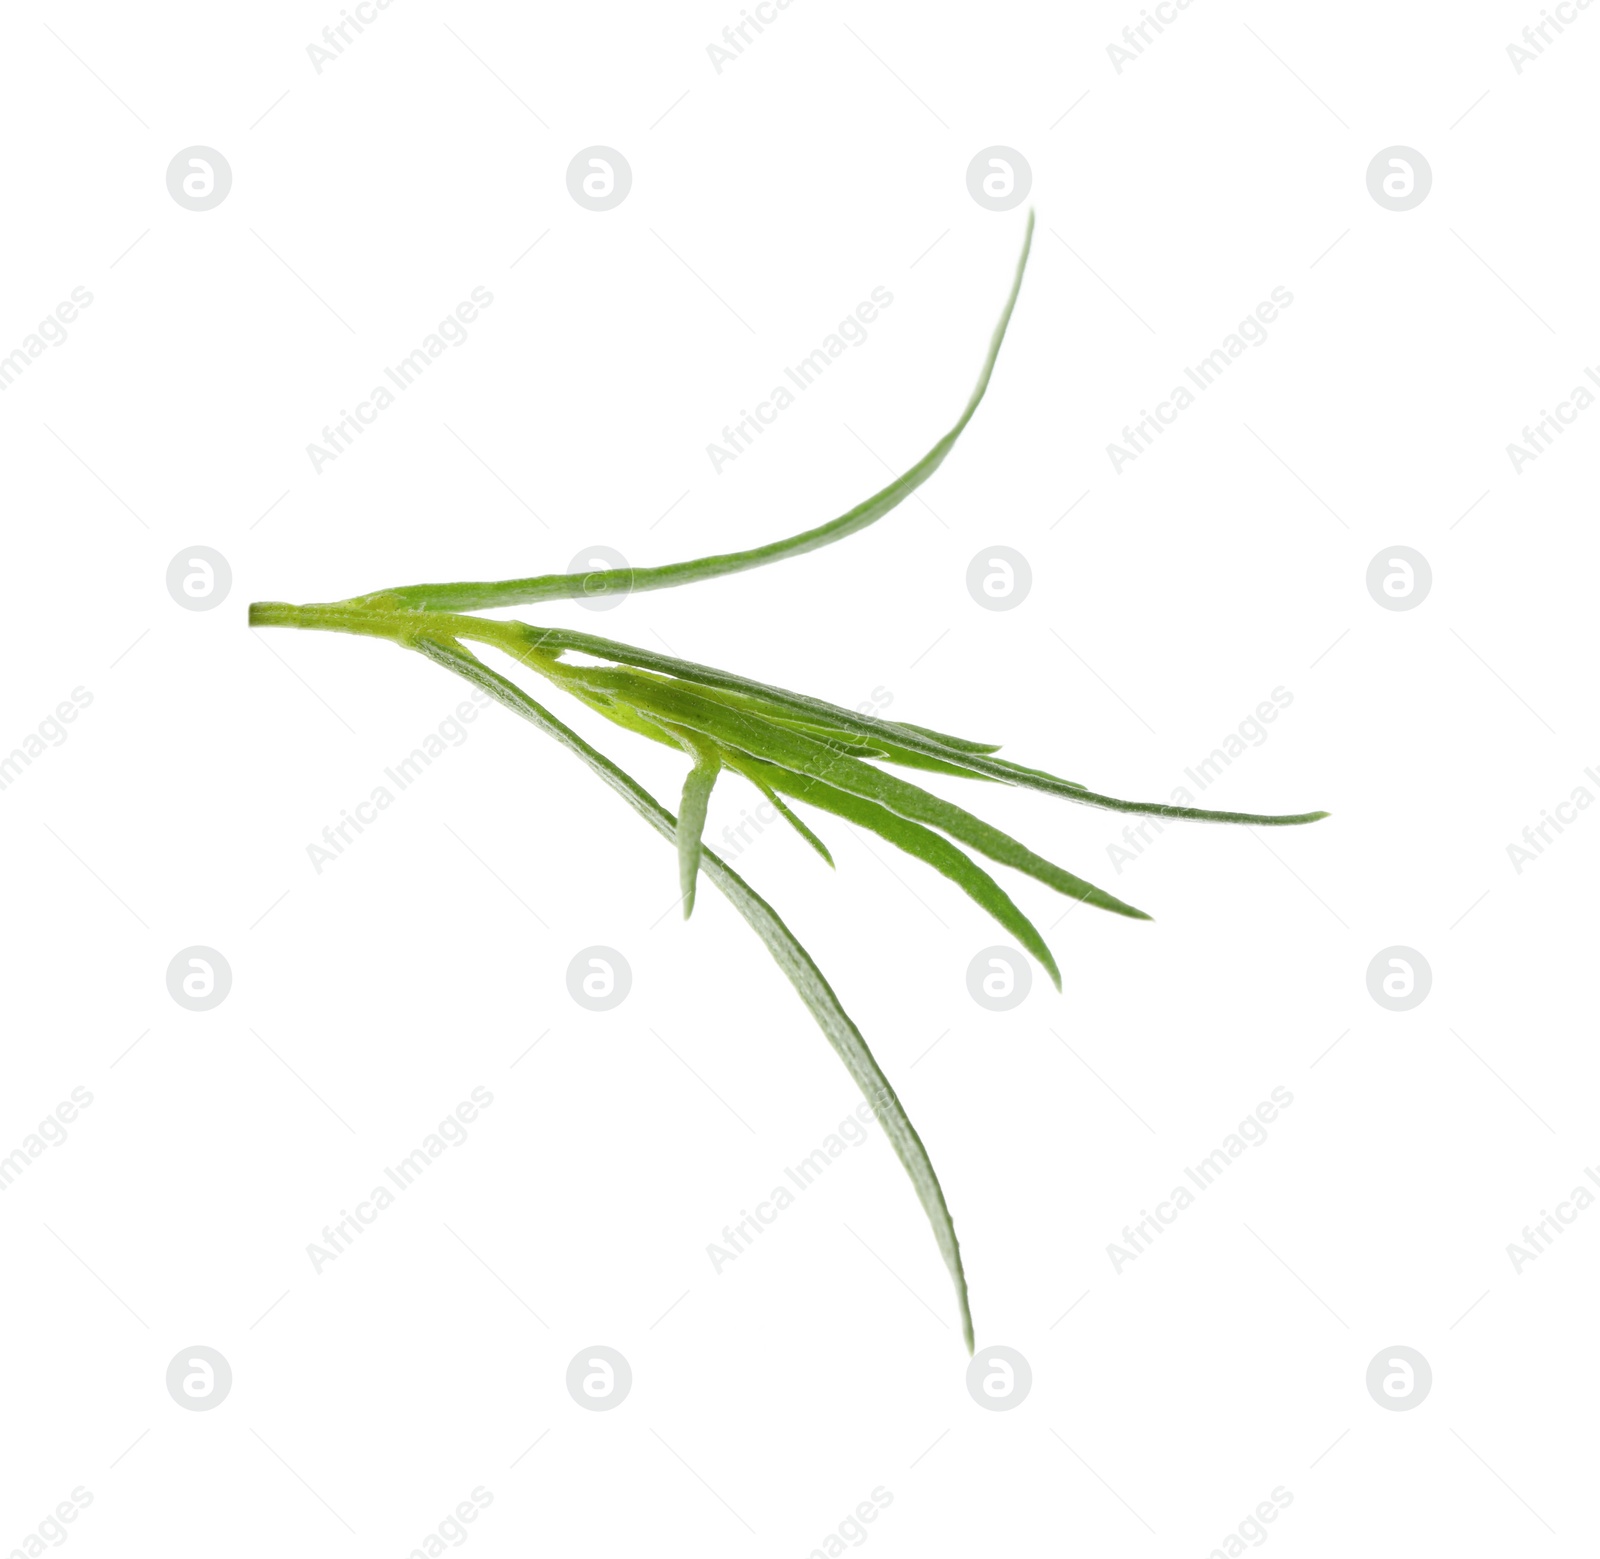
478,595
821,713
786,950
916,841
801,754
691,824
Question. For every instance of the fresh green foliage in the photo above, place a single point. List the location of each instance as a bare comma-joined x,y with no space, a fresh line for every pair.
785,744
707,765
475,597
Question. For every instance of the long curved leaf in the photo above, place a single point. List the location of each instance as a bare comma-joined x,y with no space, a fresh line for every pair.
781,943
476,595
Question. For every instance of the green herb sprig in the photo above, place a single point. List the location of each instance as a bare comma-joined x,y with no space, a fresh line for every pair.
787,745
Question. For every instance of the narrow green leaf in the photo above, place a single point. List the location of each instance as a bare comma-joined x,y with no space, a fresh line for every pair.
784,947
697,785
884,747
880,745
834,715
478,595
801,754
915,840
958,742
740,763
969,757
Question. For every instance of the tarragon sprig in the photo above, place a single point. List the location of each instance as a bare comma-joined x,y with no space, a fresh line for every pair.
785,744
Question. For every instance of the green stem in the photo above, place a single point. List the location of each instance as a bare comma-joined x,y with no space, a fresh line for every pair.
407,628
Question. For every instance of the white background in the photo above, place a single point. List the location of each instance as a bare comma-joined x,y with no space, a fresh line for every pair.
768,200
